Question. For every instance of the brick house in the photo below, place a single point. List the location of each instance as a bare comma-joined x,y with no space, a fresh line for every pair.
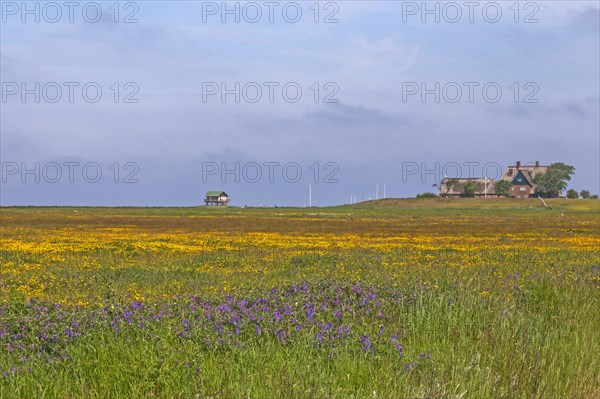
521,178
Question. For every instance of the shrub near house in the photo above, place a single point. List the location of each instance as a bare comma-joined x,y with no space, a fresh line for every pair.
502,188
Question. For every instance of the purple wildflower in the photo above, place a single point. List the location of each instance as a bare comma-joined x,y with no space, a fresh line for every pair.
366,343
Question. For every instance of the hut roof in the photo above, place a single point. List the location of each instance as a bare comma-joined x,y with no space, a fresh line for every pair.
216,194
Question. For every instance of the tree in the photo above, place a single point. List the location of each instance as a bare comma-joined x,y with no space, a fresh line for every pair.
554,181
469,190
447,185
573,194
584,194
595,196
502,187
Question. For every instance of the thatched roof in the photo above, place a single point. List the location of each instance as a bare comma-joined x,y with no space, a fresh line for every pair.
456,186
528,171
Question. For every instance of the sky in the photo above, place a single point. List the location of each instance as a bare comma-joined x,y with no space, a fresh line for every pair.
153,103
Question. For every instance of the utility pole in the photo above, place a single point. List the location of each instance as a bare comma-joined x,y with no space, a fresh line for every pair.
485,187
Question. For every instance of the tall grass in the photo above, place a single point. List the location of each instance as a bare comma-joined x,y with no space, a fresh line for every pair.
511,312
540,342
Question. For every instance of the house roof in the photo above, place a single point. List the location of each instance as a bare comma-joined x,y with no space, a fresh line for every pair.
521,178
216,193
456,186
528,171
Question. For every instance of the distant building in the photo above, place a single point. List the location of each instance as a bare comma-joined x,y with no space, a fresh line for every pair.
455,187
216,198
521,178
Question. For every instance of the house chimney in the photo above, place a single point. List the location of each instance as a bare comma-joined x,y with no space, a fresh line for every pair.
518,164
537,164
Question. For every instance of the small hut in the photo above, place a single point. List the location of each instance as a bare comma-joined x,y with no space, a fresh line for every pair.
216,198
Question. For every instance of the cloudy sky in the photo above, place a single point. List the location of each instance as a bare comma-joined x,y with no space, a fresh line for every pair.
156,102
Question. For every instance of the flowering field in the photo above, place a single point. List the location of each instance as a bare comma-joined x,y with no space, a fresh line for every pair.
415,299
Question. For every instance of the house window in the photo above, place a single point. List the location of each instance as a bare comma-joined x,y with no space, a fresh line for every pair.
522,188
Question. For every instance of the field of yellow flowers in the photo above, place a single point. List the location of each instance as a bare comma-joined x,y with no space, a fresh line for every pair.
398,298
